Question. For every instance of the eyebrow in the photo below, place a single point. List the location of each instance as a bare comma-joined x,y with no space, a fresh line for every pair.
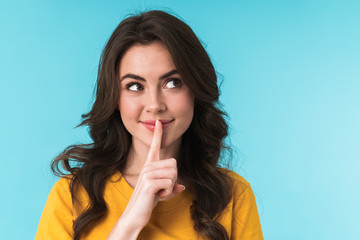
137,77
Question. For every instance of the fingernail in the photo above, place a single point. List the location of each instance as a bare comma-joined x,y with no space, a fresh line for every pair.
157,123
183,187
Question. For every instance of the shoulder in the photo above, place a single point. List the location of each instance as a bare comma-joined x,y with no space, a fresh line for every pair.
60,194
238,182
68,195
244,214
235,176
57,216
65,188
241,189
61,187
63,184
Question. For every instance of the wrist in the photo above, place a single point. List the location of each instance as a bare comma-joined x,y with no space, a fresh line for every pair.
125,229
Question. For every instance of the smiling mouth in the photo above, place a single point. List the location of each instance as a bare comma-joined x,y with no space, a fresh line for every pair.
150,124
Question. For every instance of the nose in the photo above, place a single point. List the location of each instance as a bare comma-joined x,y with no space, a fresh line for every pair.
155,102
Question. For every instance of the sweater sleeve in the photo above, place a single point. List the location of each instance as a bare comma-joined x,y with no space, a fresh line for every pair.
246,220
57,217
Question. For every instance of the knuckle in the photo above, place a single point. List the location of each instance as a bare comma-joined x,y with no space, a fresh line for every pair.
169,182
173,162
173,173
146,176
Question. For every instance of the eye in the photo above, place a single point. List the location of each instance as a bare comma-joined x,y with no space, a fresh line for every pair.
173,83
134,87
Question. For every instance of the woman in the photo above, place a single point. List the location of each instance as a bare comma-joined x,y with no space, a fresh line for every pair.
156,130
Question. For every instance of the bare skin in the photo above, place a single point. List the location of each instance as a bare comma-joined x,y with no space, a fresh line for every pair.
156,182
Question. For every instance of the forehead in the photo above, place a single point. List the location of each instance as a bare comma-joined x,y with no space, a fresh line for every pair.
147,60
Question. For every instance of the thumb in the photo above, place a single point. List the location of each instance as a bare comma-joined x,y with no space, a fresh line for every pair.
178,188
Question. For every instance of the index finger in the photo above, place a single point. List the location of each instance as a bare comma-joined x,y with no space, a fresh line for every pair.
154,151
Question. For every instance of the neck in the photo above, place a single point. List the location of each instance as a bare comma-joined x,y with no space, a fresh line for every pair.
138,155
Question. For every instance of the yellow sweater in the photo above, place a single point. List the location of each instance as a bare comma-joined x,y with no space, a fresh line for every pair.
170,219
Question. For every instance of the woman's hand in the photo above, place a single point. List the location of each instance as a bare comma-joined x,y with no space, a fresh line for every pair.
156,182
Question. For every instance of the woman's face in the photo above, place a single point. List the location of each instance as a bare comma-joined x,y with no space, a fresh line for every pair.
151,89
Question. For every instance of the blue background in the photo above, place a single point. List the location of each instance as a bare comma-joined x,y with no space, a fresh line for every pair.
291,86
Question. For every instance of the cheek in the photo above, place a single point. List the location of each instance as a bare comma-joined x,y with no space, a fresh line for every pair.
129,108
183,105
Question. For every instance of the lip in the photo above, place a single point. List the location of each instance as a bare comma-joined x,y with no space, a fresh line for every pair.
150,124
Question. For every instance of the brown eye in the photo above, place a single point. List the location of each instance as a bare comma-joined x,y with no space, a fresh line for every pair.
173,83
135,87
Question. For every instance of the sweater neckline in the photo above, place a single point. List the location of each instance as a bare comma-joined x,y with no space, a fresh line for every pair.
175,203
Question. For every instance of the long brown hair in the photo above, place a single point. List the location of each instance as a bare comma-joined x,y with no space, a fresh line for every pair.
91,165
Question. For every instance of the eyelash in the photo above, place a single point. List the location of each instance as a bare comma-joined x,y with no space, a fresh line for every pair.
175,80
129,85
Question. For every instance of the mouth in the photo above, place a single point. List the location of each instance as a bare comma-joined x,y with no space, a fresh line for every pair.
150,124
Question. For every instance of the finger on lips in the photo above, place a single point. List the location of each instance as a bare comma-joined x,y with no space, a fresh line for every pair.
154,152
164,171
